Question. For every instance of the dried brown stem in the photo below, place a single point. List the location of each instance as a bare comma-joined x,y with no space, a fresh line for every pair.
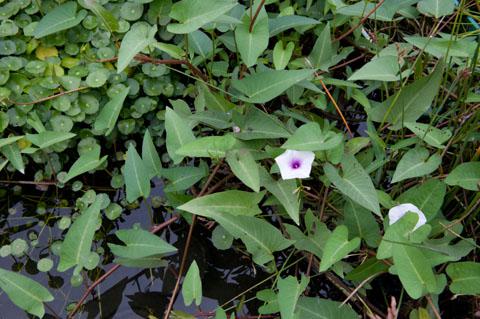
51,97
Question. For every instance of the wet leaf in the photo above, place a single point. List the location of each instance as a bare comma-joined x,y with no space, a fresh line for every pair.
24,292
136,176
192,285
78,241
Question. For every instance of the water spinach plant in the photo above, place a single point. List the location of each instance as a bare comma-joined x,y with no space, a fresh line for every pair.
322,141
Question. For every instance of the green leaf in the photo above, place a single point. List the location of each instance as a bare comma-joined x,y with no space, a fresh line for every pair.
244,167
355,183
48,138
383,68
260,237
86,162
78,241
281,55
136,39
140,243
415,163
136,176
313,243
285,191
385,12
280,24
209,146
60,18
109,114
361,223
260,125
9,140
215,101
153,261
24,292
232,202
108,19
309,137
368,268
178,134
150,156
466,175
183,177
337,247
193,14
431,135
414,270
289,290
436,8
318,308
428,197
465,278
192,285
323,51
252,44
264,86
412,101
444,47
12,152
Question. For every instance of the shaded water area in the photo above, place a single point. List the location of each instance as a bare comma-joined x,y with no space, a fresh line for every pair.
128,292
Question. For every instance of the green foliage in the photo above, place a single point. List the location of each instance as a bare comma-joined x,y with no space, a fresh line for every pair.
416,162
466,175
355,183
26,293
141,249
78,241
181,107
192,285
289,290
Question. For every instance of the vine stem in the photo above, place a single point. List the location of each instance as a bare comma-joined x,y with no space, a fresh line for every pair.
187,244
153,230
51,96
146,59
255,16
355,27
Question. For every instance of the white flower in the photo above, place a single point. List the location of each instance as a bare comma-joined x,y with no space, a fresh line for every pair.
397,212
295,164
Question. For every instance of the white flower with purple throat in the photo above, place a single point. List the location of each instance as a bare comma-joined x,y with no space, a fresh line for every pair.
295,164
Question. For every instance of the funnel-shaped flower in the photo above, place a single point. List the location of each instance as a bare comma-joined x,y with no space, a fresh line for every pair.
397,212
295,164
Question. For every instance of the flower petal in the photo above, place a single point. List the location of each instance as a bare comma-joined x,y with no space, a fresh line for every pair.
397,212
285,160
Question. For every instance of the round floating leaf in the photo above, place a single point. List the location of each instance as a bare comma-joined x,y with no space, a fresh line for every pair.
5,250
92,261
221,238
19,247
44,264
64,222
113,211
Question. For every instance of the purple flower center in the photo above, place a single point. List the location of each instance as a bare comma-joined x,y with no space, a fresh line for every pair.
295,164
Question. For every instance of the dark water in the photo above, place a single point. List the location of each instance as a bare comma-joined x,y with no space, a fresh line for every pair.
128,292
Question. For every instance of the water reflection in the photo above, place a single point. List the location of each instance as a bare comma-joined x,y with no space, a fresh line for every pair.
128,292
